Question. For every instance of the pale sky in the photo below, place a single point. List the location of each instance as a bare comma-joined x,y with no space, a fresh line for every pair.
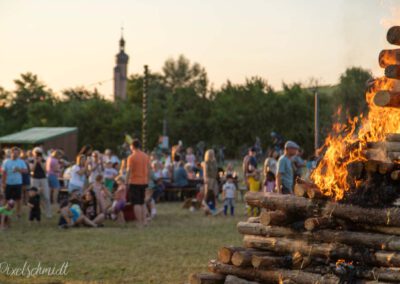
70,43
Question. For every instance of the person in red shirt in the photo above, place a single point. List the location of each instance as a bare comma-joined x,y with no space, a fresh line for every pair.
137,177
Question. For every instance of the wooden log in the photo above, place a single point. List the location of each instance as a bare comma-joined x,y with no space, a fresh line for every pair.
272,275
313,193
393,137
206,278
254,219
246,228
392,71
391,274
231,279
370,240
243,258
323,250
277,217
288,203
225,253
376,154
355,169
311,224
389,57
393,35
387,99
299,190
385,167
382,229
371,166
393,156
260,262
309,207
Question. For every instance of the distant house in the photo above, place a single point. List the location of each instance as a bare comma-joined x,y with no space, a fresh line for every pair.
65,138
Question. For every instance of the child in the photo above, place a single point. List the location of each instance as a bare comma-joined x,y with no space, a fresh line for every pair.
254,186
119,200
109,175
269,184
103,195
228,191
34,204
71,215
6,212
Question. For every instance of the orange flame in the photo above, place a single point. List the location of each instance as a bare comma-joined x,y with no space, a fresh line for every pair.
346,143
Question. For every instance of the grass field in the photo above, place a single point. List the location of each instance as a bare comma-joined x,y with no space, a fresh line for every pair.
174,245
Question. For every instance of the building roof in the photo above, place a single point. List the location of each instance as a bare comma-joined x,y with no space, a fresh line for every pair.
37,135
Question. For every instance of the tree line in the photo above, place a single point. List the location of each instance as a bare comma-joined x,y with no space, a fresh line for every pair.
180,95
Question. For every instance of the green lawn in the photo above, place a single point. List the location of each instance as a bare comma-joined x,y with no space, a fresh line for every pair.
174,245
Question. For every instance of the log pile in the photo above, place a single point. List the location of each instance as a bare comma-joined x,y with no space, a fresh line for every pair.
308,238
320,241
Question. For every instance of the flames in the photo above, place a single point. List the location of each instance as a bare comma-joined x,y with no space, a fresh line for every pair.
346,142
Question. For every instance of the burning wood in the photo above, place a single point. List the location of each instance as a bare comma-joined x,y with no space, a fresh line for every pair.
389,57
393,35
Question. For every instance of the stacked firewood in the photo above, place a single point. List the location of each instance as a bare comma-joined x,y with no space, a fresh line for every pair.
308,238
303,240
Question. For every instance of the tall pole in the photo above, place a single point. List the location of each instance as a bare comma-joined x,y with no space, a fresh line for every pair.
144,108
316,121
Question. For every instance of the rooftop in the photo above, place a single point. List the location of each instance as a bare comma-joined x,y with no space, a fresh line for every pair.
37,135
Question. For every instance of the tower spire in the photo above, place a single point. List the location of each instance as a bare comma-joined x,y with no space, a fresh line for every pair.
122,41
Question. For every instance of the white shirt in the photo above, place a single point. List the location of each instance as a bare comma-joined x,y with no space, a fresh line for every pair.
229,189
110,173
77,179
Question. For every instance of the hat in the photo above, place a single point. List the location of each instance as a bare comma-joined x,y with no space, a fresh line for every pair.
253,149
291,144
11,203
38,150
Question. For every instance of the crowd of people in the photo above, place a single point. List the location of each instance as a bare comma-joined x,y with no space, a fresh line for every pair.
100,186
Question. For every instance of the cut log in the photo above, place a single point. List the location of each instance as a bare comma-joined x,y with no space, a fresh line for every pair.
389,57
260,262
393,35
246,228
395,175
299,190
272,275
288,203
355,169
393,156
230,279
314,192
385,274
393,137
376,154
309,207
392,71
253,220
225,253
277,217
243,258
311,224
206,278
387,99
382,229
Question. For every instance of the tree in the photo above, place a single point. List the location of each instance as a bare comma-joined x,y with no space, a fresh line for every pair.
181,73
80,94
351,90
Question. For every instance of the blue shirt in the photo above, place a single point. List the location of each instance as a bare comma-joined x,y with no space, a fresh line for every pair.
285,168
13,178
180,177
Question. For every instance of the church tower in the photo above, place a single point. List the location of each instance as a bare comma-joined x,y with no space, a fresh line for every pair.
121,72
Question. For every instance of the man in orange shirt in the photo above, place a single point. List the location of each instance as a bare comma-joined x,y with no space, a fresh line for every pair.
137,176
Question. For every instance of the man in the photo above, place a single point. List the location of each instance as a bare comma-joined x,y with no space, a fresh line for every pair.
13,169
137,176
285,175
249,165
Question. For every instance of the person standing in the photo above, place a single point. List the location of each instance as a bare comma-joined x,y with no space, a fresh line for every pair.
39,179
210,173
53,172
138,170
285,175
13,169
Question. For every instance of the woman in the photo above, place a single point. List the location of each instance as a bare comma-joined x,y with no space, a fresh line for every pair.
210,172
53,172
39,179
94,166
91,209
78,175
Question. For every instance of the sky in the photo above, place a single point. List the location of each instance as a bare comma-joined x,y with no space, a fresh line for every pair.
73,43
